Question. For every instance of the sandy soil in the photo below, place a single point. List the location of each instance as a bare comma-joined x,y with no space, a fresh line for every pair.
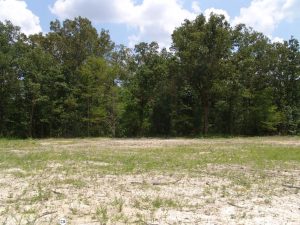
148,199
157,143
206,197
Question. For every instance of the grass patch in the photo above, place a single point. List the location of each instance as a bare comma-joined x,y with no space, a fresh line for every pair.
118,203
248,152
102,215
73,182
159,202
41,196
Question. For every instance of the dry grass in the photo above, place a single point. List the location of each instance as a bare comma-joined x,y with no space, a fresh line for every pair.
150,181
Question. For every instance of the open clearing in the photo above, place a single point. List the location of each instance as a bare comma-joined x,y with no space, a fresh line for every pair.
150,181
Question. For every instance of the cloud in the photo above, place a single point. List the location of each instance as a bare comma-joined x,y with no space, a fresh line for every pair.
102,11
156,20
152,19
266,15
196,7
17,12
276,39
207,13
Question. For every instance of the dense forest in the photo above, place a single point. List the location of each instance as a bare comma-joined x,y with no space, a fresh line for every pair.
215,79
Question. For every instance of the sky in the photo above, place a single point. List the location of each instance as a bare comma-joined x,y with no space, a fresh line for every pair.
133,21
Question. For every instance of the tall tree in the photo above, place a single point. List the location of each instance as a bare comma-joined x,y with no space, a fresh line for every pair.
72,43
40,74
99,97
203,46
252,59
12,46
74,81
143,93
286,82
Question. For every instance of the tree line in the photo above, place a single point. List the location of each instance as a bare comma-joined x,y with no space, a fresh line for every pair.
215,79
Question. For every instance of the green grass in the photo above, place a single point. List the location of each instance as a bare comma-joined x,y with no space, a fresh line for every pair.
159,202
118,203
32,156
73,182
41,196
102,215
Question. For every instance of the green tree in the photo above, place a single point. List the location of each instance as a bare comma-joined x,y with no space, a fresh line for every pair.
252,59
203,47
39,75
71,43
99,97
145,111
286,83
12,121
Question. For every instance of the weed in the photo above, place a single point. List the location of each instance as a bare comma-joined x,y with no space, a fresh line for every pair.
118,203
164,202
102,215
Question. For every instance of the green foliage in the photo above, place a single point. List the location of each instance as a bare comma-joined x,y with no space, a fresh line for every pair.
102,215
217,79
99,97
146,106
203,47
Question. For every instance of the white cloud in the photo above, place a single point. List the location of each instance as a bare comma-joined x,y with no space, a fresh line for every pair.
266,15
101,11
207,13
153,19
276,39
156,20
196,7
17,12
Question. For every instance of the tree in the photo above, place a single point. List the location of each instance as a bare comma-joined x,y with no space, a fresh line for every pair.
252,61
99,97
143,94
12,122
72,43
286,82
203,46
40,77
74,82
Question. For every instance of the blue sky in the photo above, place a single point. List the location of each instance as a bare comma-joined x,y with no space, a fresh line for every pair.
131,21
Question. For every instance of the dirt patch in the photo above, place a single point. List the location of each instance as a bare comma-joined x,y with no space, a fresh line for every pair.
145,199
89,188
143,143
124,143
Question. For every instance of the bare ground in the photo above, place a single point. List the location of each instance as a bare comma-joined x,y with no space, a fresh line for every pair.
214,194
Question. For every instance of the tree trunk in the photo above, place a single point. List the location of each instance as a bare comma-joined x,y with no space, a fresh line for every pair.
205,117
1,119
231,117
30,133
89,118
